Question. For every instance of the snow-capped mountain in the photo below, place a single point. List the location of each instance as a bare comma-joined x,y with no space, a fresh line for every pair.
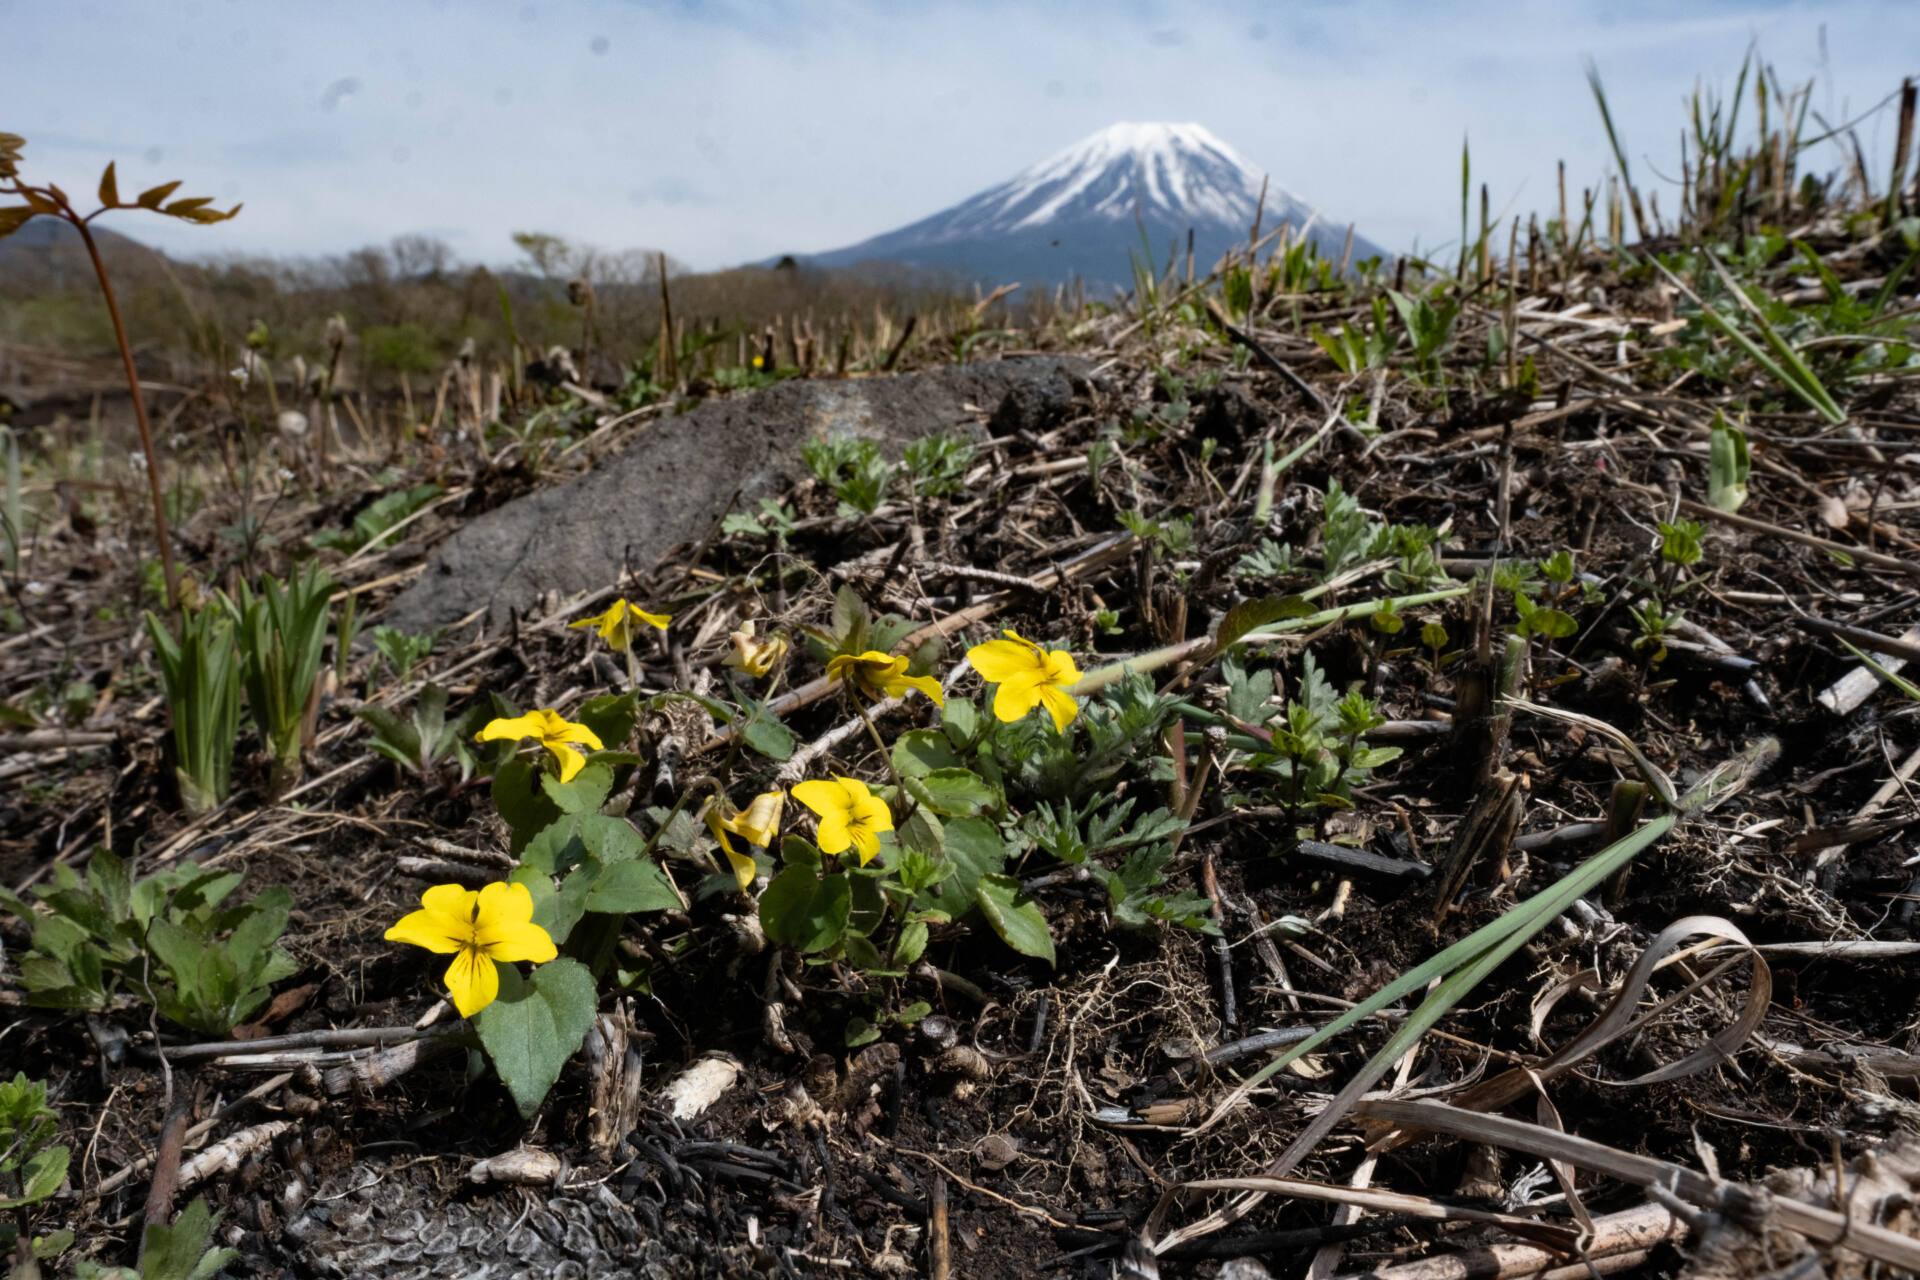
1078,213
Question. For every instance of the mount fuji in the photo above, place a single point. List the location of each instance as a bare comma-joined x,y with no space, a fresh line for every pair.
1078,214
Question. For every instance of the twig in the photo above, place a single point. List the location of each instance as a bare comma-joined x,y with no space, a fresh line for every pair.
939,1244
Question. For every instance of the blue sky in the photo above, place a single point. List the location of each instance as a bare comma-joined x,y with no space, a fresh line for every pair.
727,132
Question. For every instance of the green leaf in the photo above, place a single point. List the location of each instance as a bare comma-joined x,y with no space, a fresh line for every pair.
1014,916
923,832
910,945
962,722
557,910
1727,466
1251,614
586,793
636,884
860,1031
973,849
611,717
918,752
180,1252
803,911
40,1177
763,732
531,1030
955,793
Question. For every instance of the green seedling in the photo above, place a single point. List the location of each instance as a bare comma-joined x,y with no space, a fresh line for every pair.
32,1167
403,651
282,632
426,737
200,673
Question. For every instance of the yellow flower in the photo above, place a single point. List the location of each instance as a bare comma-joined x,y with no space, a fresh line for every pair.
757,824
755,657
619,624
882,676
850,815
479,929
1028,676
555,734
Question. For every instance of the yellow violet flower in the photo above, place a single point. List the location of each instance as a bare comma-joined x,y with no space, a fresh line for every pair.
881,675
850,815
1028,676
757,824
755,657
557,735
619,624
479,929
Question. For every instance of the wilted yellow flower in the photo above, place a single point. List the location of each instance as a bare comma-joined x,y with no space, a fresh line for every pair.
850,815
881,675
619,624
757,824
755,657
1028,676
479,929
557,735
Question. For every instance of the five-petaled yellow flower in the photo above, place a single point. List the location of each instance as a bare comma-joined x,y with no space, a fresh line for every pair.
755,657
619,624
1028,676
757,824
479,929
881,675
850,815
557,735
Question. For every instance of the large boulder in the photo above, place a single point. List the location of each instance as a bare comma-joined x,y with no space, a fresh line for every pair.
674,479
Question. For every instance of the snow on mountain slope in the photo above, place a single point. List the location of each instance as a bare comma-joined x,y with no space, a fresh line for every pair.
1078,213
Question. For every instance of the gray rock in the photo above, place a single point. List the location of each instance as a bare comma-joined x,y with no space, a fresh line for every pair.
671,483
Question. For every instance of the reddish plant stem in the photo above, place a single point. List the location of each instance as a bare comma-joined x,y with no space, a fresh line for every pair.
139,413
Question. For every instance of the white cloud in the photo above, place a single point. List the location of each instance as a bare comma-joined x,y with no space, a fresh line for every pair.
723,133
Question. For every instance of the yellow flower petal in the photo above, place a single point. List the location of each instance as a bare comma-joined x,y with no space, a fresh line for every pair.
658,621
426,929
872,813
744,868
834,833
821,796
472,981
1061,669
531,725
1001,660
760,821
866,843
1016,697
569,760
898,685
1059,704
519,940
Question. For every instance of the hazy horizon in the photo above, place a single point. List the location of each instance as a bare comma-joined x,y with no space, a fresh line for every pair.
724,134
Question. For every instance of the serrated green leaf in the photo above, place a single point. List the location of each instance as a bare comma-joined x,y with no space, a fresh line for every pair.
955,793
534,1026
635,884
1014,916
586,793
